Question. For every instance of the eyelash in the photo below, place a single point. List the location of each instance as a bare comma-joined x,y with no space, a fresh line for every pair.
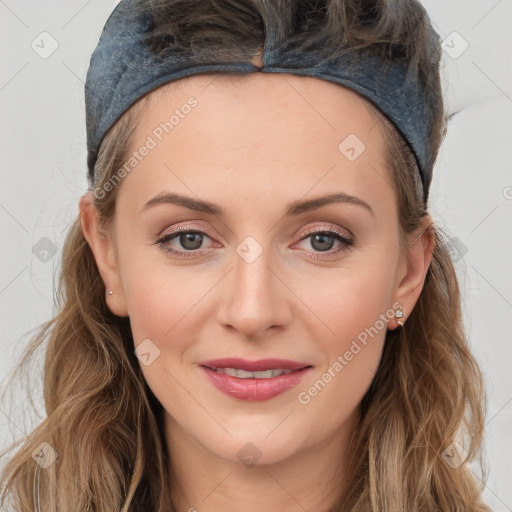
347,243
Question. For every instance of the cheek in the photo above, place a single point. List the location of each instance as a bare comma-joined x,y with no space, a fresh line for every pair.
348,300
339,386
350,359
161,305
354,307
160,297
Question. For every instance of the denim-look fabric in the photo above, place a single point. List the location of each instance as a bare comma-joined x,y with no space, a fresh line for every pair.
123,68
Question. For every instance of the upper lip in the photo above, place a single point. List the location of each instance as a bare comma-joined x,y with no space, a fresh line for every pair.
254,366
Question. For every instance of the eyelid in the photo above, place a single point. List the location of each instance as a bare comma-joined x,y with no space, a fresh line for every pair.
312,229
348,242
186,228
340,231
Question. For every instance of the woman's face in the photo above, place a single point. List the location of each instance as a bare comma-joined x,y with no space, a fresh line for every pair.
256,279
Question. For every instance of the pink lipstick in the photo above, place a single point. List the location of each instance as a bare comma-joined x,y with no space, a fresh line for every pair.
254,380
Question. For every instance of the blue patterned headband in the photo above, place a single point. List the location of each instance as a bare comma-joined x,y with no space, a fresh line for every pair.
123,68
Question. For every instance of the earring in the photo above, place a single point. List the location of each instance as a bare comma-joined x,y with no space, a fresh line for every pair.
110,292
399,314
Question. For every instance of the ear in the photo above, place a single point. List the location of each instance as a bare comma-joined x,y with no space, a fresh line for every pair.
417,259
102,246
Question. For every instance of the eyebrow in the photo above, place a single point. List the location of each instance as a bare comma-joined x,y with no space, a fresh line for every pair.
294,208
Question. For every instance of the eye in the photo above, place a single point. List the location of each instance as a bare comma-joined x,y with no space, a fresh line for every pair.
323,240
192,239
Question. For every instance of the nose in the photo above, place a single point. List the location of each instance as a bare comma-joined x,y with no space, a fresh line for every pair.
255,298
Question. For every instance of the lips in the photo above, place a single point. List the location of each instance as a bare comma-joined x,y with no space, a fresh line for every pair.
244,374
254,380
254,366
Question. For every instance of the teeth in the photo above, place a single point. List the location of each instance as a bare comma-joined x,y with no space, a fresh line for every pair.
243,374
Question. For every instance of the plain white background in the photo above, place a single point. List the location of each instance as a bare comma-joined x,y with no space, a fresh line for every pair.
45,51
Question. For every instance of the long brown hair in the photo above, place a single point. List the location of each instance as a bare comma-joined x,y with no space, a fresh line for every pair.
104,422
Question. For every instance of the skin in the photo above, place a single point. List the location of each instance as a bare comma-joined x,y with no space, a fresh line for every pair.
253,147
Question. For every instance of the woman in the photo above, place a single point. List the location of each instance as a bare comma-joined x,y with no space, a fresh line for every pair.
257,311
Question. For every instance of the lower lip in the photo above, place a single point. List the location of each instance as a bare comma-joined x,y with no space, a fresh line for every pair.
254,389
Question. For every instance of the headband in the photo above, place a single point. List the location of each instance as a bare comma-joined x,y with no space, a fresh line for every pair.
123,68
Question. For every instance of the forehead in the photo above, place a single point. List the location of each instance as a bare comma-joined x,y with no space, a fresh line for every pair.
284,96
257,132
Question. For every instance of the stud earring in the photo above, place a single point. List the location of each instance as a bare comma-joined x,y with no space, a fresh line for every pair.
110,292
399,314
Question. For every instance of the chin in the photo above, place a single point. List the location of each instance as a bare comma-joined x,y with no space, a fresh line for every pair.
256,448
